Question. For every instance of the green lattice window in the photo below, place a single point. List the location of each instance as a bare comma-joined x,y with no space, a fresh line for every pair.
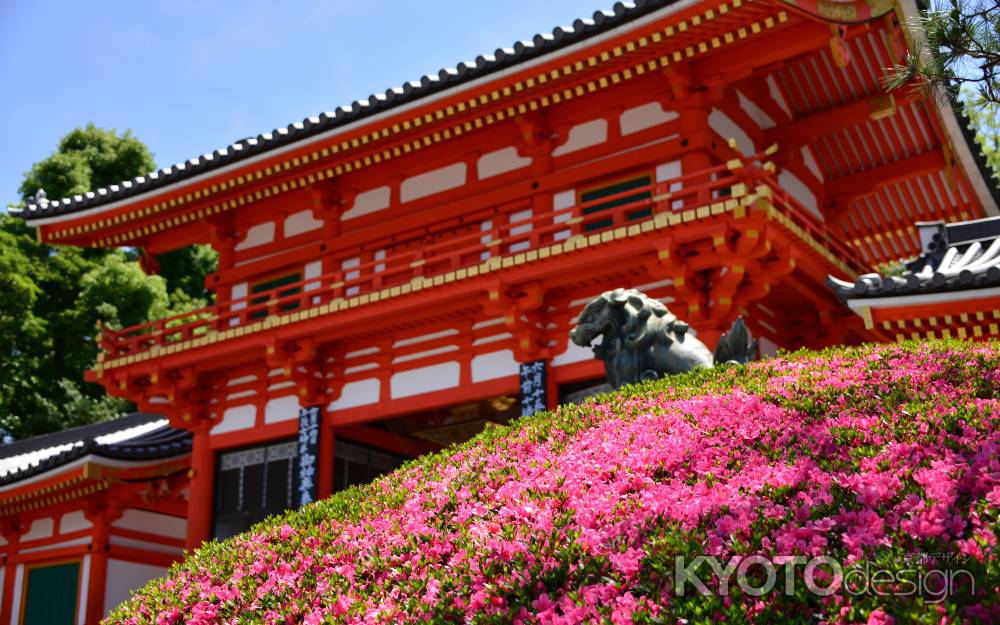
275,283
641,186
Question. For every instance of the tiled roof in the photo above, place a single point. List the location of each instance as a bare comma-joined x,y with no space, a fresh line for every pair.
430,84
137,436
956,256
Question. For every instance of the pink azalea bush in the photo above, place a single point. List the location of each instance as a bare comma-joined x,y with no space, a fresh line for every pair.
885,456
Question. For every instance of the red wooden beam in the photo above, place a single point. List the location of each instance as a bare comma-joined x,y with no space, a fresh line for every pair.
806,130
739,61
847,188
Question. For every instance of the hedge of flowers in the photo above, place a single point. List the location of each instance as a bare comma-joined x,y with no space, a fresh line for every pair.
885,457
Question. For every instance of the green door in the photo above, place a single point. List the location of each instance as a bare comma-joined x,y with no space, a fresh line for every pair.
50,597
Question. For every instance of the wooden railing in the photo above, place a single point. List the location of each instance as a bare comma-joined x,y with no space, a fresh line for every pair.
502,237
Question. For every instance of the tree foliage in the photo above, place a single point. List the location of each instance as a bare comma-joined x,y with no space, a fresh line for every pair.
956,46
88,158
985,118
51,297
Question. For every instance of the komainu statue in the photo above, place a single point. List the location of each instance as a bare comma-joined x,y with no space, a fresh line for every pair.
642,340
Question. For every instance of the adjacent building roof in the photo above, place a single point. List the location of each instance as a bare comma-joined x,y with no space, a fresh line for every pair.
430,84
137,436
955,256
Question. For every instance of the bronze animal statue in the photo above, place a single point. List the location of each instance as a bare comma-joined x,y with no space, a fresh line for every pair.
642,340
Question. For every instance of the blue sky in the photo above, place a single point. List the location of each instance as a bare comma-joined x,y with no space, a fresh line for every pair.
190,76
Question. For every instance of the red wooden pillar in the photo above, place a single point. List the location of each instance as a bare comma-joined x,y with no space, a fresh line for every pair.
12,533
693,123
324,481
100,518
200,493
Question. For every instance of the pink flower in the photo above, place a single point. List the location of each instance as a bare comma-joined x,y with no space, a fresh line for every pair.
879,617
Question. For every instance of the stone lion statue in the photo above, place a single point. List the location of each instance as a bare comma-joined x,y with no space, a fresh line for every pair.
642,340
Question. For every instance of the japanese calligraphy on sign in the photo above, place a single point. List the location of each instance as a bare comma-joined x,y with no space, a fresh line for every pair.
534,397
309,423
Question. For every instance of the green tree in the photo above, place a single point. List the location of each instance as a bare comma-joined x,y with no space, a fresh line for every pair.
956,47
51,297
985,118
47,330
88,158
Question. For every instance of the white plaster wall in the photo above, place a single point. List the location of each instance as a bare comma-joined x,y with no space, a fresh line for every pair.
564,199
798,190
753,111
357,393
15,610
152,522
301,222
500,162
241,394
668,171
124,577
811,164
444,349
350,263
525,227
281,409
367,202
367,351
486,227
312,271
82,540
494,365
728,129
239,291
40,528
81,615
583,136
425,379
73,522
573,353
257,235
434,181
644,116
519,217
133,543
488,323
236,418
413,340
776,95
493,338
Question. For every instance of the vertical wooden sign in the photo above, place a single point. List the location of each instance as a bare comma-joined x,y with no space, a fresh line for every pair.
534,392
309,424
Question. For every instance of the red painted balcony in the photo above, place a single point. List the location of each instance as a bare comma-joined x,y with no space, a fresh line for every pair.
516,231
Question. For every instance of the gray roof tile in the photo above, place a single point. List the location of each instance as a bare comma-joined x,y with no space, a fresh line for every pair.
957,256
